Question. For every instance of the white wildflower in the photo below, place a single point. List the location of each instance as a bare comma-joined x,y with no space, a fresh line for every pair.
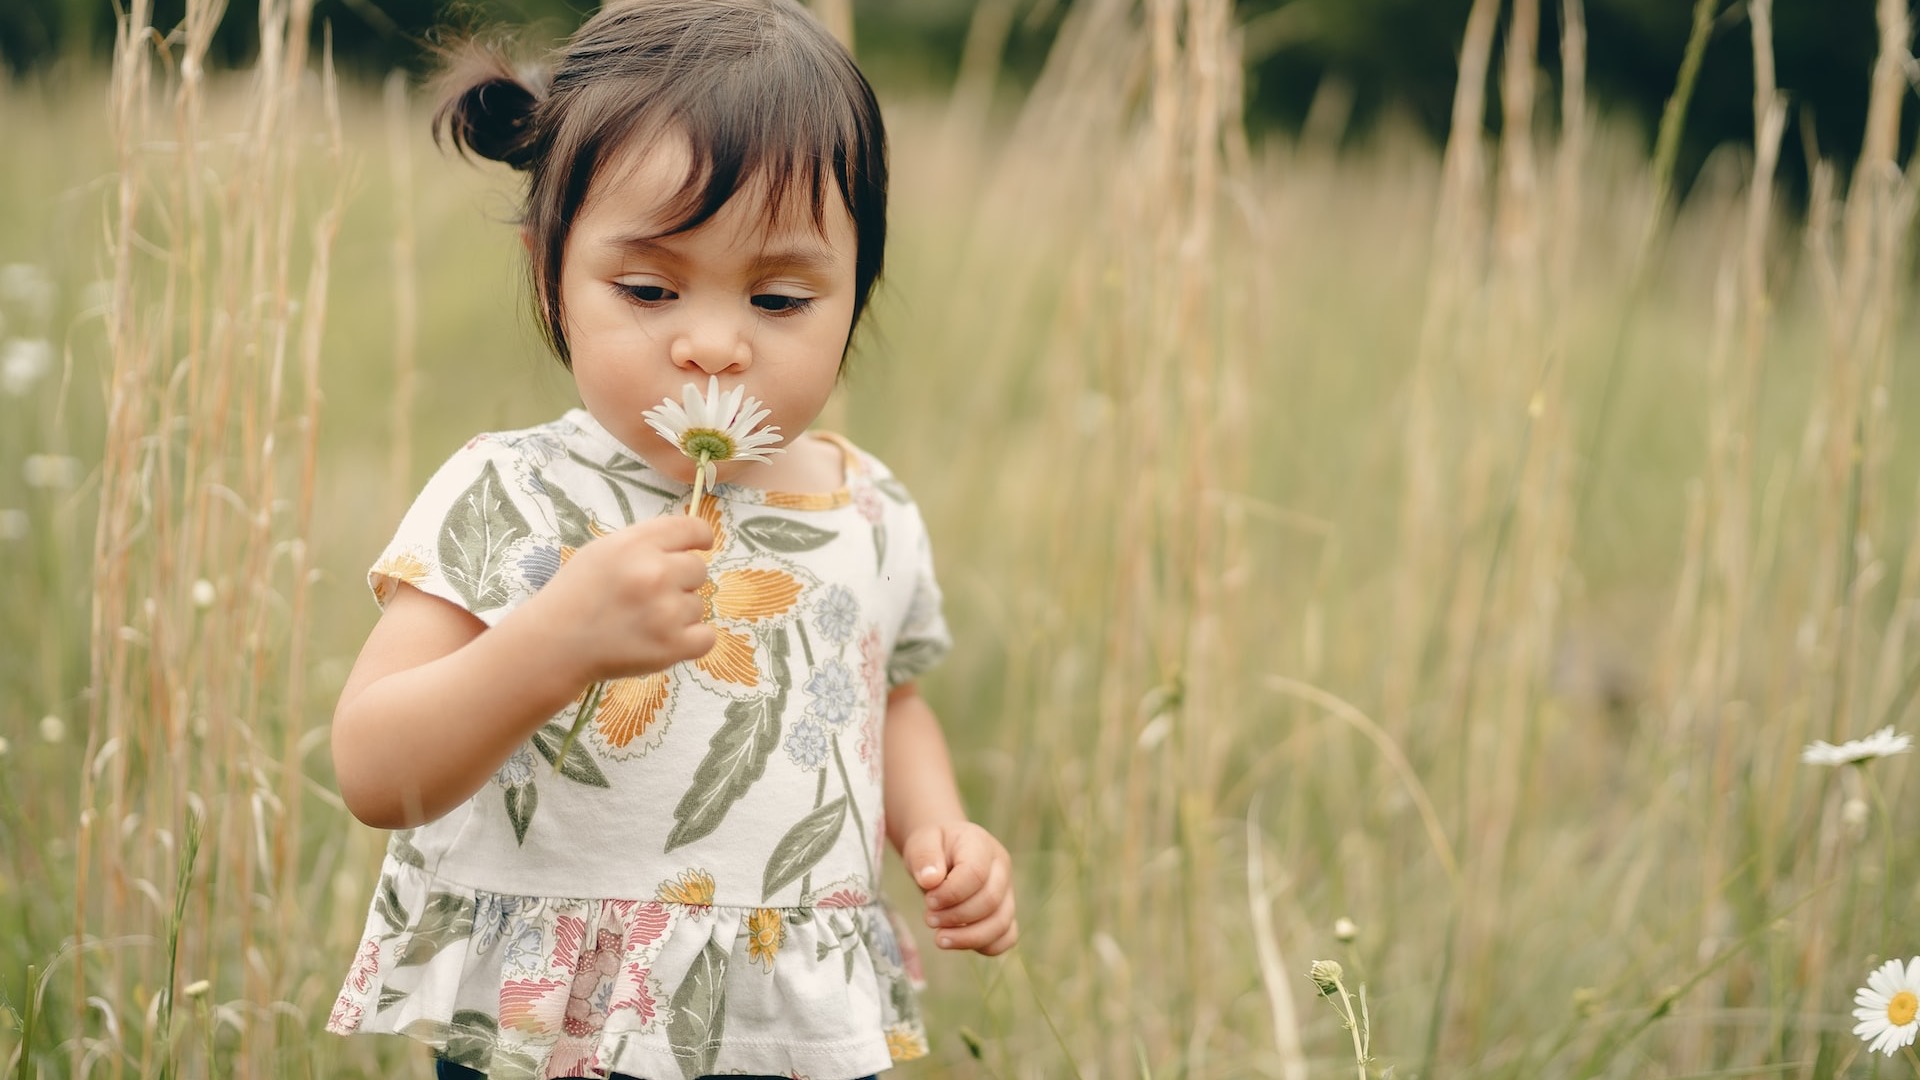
1889,1007
23,362
715,427
51,471
29,287
1344,930
1882,743
204,593
52,729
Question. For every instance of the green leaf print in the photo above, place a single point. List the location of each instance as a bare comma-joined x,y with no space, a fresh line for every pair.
570,520
389,997
387,903
894,489
783,534
736,757
697,1014
522,800
470,1043
910,658
579,765
879,547
804,846
468,1040
480,528
447,918
400,846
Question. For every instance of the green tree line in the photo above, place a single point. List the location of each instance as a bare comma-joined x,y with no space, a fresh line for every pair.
1365,58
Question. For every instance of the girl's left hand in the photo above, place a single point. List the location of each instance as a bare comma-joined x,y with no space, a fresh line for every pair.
968,880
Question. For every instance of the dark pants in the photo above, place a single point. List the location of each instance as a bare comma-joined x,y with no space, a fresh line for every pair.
447,1070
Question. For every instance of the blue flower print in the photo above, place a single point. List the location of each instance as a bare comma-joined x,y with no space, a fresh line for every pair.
493,913
523,946
807,744
539,565
834,694
838,612
516,770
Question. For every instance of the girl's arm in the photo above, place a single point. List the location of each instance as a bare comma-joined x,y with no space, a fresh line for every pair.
436,701
966,873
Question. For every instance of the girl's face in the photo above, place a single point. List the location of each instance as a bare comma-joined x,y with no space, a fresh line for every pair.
758,301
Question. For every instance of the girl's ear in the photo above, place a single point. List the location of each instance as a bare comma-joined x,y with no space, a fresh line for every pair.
526,239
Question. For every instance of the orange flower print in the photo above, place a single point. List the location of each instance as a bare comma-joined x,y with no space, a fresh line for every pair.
765,934
736,601
632,713
388,573
742,596
694,888
905,1044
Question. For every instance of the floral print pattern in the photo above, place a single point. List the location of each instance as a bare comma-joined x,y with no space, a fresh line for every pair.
656,896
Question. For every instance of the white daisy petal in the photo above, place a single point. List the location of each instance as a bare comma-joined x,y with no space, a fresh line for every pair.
714,421
1883,743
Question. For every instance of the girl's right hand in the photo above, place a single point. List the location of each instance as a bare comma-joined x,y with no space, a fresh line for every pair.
629,603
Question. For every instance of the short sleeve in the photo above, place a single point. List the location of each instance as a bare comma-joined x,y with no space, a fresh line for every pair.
923,639
473,536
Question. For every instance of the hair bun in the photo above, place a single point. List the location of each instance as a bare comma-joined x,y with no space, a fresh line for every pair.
488,108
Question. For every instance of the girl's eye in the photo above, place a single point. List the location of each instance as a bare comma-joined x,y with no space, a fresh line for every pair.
646,294
776,304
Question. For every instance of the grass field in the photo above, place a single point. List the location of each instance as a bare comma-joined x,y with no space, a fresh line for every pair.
1463,542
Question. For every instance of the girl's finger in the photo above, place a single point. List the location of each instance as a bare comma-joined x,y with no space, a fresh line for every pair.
1005,941
963,880
687,570
978,906
980,934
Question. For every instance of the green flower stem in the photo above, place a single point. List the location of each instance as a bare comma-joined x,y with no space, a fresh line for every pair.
587,706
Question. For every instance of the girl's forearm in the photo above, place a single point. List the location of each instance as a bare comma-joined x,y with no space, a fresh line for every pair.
414,744
920,788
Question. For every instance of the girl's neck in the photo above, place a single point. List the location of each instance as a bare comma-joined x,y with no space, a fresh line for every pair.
811,464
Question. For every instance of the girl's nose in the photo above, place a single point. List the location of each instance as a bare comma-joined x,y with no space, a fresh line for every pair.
713,347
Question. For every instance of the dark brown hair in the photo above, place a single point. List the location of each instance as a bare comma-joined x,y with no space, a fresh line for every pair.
761,91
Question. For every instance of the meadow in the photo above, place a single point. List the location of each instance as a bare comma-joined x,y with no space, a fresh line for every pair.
1429,558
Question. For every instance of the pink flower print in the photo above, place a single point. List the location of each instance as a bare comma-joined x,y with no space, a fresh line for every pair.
644,921
592,986
868,502
531,1004
346,1016
365,967
873,669
569,934
637,996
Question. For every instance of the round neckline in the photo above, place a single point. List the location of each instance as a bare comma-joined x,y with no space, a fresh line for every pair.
850,466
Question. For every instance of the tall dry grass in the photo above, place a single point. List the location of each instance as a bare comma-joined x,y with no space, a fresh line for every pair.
1462,542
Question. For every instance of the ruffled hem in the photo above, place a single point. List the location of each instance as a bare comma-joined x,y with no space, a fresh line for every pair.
539,987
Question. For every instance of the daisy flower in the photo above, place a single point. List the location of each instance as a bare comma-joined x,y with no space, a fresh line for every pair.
1882,743
714,427
1888,1006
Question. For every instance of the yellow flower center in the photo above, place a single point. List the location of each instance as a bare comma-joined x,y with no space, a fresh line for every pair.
708,443
1901,1010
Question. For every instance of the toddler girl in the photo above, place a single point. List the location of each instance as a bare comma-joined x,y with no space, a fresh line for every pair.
688,884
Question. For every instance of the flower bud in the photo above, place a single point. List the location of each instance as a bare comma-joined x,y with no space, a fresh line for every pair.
1344,930
1326,975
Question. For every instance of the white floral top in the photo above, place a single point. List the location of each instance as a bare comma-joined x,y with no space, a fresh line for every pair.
691,889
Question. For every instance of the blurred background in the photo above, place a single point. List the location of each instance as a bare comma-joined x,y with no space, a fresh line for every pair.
1361,58
1410,481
